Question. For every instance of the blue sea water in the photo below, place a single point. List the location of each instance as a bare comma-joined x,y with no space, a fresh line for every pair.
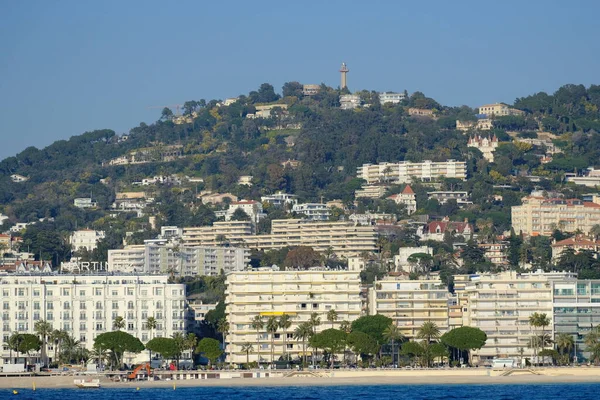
575,391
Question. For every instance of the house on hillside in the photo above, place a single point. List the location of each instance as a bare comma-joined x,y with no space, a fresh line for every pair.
437,229
406,197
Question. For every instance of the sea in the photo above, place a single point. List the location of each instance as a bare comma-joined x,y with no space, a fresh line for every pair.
381,392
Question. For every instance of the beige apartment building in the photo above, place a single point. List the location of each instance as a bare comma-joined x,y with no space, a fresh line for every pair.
345,239
406,171
541,216
500,305
231,231
268,293
410,303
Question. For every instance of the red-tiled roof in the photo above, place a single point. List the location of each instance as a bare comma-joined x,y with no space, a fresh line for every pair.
407,190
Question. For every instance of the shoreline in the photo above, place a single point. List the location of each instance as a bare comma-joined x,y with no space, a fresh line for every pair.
336,378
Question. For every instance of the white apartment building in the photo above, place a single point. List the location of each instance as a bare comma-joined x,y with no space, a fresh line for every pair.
85,239
252,208
232,232
130,259
86,306
501,304
158,256
541,216
268,293
344,238
313,211
405,171
84,202
280,199
410,303
391,97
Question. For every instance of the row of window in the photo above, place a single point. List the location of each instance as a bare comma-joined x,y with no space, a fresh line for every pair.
83,292
24,305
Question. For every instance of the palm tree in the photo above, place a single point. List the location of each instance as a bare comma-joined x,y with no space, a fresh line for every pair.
428,331
346,326
191,341
332,316
303,332
223,328
247,348
313,322
150,325
285,322
57,336
392,334
540,320
118,323
100,355
258,324
592,341
272,326
564,344
180,341
69,349
43,329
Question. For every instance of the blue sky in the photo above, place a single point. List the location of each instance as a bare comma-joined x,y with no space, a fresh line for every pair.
67,67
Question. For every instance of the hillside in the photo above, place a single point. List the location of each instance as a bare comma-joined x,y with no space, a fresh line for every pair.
218,143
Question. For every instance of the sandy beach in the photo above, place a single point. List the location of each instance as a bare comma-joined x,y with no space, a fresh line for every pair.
355,377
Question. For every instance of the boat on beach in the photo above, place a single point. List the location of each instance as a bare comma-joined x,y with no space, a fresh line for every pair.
87,383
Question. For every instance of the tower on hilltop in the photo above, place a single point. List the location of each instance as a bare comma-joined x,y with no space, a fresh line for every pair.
343,70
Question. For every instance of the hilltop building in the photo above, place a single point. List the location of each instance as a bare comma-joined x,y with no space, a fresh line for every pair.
310,89
85,239
499,110
406,197
487,145
405,171
437,229
391,97
349,101
443,196
313,211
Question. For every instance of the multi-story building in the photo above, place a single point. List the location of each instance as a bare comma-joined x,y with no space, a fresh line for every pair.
410,303
343,238
499,110
84,202
129,259
496,253
252,208
590,178
280,199
313,211
482,124
576,312
437,229
406,197
85,239
232,232
501,304
349,101
420,112
391,97
86,305
541,216
371,191
405,171
577,243
298,294
310,89
487,145
442,197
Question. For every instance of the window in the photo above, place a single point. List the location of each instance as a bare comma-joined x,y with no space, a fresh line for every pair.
98,305
82,338
289,346
21,292
99,326
36,293
82,306
36,316
98,292
129,291
175,314
159,315
36,305
303,306
67,326
98,314
82,316
82,293
115,293
144,315
144,337
159,291
130,305
66,305
66,292
115,305
49,293
315,306
66,315
159,305
174,292
5,293
130,326
50,305
49,316
144,292
130,315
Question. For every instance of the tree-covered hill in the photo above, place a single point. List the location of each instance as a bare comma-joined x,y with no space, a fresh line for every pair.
220,143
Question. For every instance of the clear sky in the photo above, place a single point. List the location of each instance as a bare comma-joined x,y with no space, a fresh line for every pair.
67,67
